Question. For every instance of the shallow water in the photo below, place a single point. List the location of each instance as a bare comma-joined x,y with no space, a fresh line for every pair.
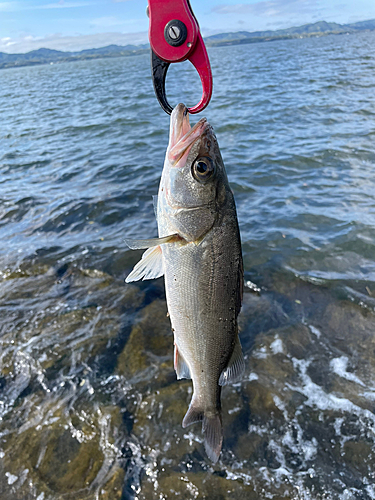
90,407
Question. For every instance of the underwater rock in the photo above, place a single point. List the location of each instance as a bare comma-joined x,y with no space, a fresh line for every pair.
158,418
71,455
204,485
150,337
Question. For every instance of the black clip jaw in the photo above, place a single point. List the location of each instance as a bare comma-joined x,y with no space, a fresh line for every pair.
159,74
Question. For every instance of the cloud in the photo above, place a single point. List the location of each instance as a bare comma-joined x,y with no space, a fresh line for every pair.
70,43
111,21
8,6
271,14
269,8
106,22
62,4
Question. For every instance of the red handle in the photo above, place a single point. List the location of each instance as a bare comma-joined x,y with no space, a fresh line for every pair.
199,58
162,12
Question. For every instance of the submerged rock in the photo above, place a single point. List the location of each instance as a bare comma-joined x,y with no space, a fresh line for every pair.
68,455
150,337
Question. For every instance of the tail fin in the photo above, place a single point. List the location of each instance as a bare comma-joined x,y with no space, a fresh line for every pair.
212,428
213,436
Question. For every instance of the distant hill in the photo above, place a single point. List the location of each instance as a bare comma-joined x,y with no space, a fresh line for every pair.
316,29
48,56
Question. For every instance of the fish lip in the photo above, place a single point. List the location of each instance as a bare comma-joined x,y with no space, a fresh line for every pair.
179,124
182,135
182,148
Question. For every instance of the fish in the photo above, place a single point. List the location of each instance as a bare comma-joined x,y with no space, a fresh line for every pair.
198,251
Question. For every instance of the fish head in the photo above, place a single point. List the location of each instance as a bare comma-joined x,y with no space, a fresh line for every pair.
194,182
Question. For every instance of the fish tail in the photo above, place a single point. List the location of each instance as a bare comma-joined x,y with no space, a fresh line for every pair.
212,428
213,435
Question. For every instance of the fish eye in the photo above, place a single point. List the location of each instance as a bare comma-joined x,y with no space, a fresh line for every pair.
203,169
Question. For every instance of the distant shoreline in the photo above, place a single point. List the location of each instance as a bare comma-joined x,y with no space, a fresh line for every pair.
49,56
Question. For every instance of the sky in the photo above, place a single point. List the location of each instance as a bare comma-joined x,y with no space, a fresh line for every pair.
81,24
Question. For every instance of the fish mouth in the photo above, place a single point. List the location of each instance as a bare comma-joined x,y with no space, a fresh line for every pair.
182,136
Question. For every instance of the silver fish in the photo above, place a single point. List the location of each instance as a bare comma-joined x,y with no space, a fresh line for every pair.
199,253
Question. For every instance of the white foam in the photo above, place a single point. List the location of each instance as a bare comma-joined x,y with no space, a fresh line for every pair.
257,429
235,410
368,395
280,405
318,398
337,425
315,331
193,438
339,366
371,491
277,449
310,449
11,478
297,444
245,478
277,346
260,353
350,494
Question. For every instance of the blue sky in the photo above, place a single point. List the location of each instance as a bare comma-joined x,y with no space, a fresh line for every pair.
79,24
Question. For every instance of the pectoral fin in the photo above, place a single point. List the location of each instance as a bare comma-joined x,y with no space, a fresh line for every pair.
236,366
149,267
152,242
151,264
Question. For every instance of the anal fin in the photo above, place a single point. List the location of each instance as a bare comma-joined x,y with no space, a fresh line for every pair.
236,366
193,415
